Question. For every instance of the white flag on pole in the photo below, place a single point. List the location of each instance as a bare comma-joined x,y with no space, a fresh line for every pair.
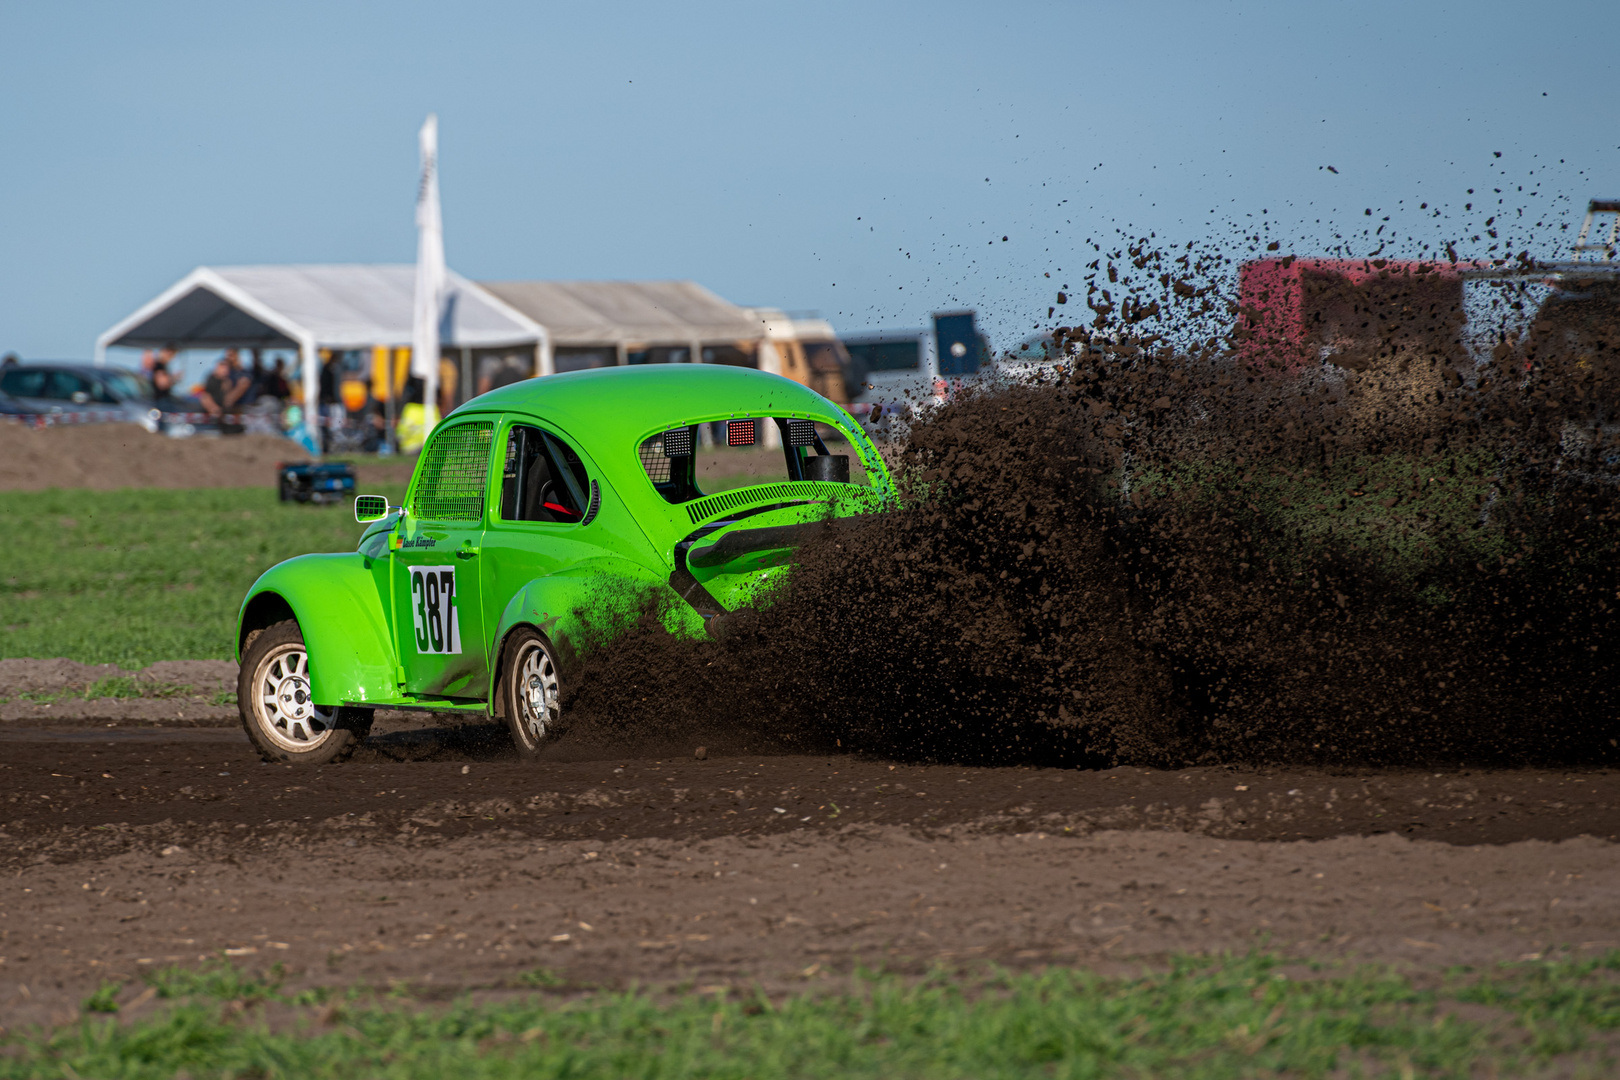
429,304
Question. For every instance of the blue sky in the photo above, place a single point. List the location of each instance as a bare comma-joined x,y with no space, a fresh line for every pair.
862,160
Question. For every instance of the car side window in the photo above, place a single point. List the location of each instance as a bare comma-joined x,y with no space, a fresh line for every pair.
23,383
64,385
543,480
454,474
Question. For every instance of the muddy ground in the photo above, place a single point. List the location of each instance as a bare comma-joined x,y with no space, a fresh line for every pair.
436,858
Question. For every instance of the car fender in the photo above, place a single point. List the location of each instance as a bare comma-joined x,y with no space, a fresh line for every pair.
589,603
343,618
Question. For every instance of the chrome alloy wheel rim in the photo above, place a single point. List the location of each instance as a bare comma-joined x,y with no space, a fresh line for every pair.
286,714
536,692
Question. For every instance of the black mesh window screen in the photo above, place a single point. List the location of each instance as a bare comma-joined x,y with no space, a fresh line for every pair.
654,461
678,442
455,474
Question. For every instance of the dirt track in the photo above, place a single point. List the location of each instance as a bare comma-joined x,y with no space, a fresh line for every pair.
437,859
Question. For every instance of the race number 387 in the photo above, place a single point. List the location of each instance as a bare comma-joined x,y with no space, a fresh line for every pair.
433,608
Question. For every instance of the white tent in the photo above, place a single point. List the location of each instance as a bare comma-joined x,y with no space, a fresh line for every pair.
310,308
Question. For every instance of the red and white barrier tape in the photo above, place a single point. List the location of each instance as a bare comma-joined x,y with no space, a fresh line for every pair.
52,419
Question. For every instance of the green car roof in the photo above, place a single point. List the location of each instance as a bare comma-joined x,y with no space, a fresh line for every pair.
625,404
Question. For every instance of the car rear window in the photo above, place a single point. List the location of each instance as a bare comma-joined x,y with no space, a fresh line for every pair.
454,474
687,463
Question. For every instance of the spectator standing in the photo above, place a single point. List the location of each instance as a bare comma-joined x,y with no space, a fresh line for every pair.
259,377
333,415
162,380
276,381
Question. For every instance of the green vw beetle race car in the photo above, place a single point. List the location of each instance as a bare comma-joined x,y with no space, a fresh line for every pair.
541,514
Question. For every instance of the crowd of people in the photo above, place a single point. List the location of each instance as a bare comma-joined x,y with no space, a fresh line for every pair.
267,396
366,399
228,389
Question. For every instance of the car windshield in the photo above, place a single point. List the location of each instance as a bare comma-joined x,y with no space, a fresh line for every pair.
686,463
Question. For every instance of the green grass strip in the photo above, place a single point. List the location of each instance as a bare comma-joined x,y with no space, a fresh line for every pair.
131,577
1247,1016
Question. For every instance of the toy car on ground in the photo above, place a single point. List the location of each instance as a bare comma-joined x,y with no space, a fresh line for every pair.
316,482
542,516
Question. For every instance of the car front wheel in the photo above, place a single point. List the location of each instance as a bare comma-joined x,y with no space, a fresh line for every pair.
531,692
281,719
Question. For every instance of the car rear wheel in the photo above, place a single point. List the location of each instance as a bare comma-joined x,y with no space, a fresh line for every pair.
531,692
282,721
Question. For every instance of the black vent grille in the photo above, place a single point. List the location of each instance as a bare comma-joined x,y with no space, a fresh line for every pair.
792,491
596,504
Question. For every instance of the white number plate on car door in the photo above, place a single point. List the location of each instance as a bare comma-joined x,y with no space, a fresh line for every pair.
433,608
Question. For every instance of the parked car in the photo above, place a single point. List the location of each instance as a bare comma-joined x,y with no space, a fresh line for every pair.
542,518
107,393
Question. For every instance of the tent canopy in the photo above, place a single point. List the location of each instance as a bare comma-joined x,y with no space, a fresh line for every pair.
354,306
331,307
312,308
583,313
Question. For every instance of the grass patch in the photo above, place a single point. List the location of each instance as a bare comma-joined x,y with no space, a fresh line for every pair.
117,686
540,978
131,577
105,999
1254,1015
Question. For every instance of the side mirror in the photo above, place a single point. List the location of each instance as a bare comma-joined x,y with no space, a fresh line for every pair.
371,508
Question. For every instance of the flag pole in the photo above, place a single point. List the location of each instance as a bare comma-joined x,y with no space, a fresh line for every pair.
429,298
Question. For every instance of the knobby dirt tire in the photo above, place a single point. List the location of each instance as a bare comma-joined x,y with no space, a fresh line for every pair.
272,698
531,692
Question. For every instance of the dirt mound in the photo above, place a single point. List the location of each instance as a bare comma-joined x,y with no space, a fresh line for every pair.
105,457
